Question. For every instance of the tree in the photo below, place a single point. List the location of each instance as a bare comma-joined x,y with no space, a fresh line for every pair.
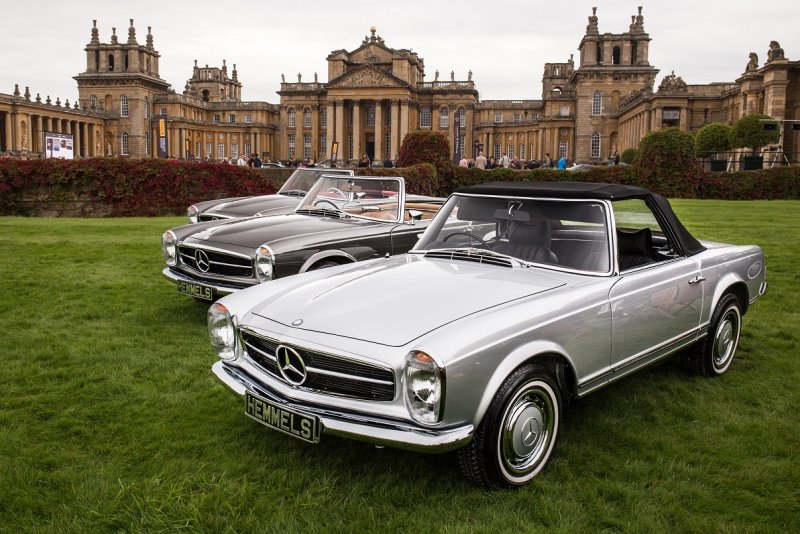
666,164
750,132
425,146
628,155
712,139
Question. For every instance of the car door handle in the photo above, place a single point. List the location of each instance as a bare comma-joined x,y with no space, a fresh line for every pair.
697,279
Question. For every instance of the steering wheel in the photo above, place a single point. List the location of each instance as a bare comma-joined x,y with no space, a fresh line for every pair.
321,200
468,234
338,192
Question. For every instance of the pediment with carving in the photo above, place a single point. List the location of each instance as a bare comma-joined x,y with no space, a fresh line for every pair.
365,77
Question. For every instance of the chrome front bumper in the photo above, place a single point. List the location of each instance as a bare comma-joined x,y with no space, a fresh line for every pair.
220,289
378,431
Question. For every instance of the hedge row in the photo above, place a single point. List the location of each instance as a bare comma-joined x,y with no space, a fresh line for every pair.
118,187
152,187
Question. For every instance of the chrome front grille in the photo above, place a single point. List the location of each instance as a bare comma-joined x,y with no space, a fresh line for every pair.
211,262
325,373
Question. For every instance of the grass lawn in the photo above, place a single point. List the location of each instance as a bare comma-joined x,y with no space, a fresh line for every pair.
110,418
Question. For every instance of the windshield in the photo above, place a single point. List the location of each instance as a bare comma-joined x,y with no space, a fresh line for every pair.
345,196
571,234
299,182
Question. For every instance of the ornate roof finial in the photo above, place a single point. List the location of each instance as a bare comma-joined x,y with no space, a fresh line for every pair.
48,101
372,30
149,38
95,33
16,89
131,34
58,101
27,93
114,39
235,74
38,98
640,20
775,51
592,26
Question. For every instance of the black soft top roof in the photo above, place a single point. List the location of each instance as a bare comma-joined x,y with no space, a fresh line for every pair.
686,241
557,190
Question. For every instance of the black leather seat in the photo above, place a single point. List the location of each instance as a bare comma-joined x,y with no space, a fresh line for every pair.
529,241
635,248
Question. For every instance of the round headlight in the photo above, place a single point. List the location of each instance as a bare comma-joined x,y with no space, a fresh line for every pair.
192,213
264,264
424,385
169,248
222,332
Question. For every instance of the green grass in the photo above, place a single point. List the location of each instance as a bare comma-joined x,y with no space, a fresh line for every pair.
110,419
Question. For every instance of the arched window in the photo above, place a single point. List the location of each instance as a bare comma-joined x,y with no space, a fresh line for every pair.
444,117
146,108
556,92
110,62
205,95
595,145
597,103
306,118
615,54
123,106
634,53
599,54
425,117
124,144
292,117
93,102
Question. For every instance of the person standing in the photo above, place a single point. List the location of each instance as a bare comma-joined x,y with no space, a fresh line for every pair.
256,161
504,161
241,162
480,161
562,163
548,161
464,162
364,161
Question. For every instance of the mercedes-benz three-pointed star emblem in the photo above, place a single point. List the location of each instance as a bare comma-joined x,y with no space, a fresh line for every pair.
291,365
201,260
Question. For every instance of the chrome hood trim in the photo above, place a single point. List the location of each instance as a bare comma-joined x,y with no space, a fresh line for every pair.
394,301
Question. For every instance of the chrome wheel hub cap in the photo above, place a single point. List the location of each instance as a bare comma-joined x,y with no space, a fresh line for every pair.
528,430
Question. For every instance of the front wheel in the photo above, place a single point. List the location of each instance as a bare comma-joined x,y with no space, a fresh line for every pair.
715,353
518,434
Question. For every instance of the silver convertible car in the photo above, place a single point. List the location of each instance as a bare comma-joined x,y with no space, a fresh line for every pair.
518,298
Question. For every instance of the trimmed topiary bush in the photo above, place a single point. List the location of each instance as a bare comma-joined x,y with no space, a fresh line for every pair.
712,139
749,132
424,147
666,162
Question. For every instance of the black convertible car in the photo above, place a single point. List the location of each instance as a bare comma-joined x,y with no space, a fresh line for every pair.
342,219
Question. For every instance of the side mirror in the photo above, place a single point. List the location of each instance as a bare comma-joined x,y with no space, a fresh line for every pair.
414,215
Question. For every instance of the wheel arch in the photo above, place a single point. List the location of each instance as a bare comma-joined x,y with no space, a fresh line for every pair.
338,256
735,285
551,355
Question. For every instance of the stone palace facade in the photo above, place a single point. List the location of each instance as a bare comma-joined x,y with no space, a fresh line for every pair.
603,103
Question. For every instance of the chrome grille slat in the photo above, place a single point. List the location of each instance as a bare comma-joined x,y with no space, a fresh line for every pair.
326,373
220,264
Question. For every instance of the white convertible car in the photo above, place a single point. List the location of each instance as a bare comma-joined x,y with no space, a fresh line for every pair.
518,298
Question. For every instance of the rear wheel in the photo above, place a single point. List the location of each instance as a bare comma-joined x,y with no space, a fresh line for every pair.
714,354
518,434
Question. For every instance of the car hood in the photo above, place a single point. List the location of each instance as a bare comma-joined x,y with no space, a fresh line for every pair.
255,231
247,207
394,301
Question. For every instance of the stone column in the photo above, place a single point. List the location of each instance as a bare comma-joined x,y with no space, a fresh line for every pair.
378,131
331,127
8,128
76,145
395,129
315,120
299,116
357,129
404,116
340,128
182,143
39,136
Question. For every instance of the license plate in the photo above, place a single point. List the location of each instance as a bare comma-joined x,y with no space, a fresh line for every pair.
305,427
195,290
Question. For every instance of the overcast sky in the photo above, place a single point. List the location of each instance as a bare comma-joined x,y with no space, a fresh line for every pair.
504,42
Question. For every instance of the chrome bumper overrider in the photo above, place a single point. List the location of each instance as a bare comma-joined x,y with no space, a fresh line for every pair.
219,289
379,431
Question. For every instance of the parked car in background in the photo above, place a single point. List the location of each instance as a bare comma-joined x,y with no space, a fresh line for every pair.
580,167
284,201
342,219
519,298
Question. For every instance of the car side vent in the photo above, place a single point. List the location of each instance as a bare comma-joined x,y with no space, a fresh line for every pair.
321,213
469,256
